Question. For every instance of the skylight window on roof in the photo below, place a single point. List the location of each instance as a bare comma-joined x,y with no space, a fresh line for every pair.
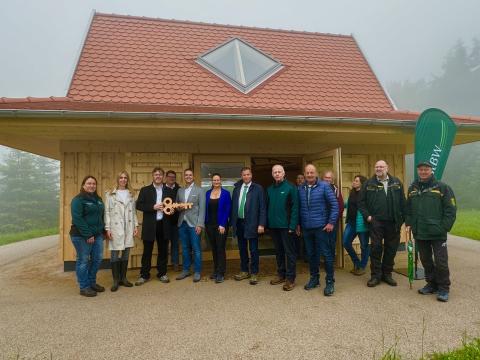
240,64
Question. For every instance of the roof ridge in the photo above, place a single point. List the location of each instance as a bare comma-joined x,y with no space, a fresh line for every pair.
189,22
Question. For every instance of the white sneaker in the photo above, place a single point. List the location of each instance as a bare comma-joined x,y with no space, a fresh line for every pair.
140,281
164,279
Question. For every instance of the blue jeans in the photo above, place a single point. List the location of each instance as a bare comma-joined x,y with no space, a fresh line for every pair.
317,242
89,258
243,246
190,242
348,237
332,238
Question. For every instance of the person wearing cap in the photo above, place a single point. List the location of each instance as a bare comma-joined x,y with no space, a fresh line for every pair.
430,213
382,205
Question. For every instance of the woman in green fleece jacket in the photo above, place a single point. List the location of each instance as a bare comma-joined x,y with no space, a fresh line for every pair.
87,235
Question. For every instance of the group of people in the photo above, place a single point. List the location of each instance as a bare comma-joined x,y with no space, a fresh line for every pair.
310,209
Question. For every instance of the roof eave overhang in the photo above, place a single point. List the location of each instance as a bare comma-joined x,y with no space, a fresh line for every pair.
75,114
71,114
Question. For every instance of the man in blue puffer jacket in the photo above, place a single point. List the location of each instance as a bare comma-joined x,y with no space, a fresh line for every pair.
318,215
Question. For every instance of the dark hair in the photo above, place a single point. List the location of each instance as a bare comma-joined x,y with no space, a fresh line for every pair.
216,174
158,168
170,172
245,168
361,178
188,169
82,190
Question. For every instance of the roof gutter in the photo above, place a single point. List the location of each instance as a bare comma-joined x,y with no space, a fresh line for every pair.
69,114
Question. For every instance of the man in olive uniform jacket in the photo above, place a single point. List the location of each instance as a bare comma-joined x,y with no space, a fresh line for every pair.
382,205
430,214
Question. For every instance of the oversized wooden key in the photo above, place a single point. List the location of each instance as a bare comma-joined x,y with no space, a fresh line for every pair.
169,206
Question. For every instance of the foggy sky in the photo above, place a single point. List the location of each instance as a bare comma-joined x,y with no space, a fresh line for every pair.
402,39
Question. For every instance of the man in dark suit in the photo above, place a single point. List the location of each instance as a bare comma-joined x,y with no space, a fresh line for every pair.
172,220
150,203
248,217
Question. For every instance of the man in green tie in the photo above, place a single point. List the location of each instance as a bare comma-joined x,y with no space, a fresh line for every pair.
248,220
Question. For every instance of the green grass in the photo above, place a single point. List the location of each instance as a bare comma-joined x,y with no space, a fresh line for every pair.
11,238
470,350
467,224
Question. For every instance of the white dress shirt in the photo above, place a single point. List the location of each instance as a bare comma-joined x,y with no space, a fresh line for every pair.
159,200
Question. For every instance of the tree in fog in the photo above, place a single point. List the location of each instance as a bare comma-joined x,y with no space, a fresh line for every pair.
455,91
29,192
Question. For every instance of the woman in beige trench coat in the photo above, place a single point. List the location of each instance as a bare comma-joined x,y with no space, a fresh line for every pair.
121,225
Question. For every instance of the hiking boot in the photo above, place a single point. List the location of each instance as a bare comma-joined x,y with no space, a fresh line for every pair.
312,283
442,295
88,292
164,279
140,281
183,275
389,279
374,281
359,271
98,288
329,289
123,274
115,275
241,276
277,280
289,285
254,279
428,290
196,277
219,279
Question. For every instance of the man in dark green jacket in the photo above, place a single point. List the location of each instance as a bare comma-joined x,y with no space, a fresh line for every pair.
282,216
382,205
430,214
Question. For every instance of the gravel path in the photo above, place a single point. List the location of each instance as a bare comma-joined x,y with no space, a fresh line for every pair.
42,316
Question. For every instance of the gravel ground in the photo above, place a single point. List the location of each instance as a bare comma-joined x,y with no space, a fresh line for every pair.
43,317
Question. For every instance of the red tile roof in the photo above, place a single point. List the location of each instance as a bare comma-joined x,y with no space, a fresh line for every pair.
137,60
133,64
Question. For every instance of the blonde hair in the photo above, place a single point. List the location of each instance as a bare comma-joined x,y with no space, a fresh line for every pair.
124,172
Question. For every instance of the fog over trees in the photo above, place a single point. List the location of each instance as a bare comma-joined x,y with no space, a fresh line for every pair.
456,90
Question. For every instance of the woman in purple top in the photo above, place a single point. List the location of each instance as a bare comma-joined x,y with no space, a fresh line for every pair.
217,210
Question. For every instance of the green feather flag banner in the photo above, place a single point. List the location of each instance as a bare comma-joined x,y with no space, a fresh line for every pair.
434,135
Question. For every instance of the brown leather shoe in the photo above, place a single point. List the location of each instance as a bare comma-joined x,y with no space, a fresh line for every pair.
289,285
241,276
277,280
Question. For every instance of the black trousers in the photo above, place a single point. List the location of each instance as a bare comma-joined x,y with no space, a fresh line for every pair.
217,243
434,257
382,254
285,253
162,258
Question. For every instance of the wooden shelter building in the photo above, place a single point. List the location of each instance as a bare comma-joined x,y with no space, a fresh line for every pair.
152,92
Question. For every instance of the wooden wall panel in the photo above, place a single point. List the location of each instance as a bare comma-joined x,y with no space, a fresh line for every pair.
105,166
363,162
139,166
